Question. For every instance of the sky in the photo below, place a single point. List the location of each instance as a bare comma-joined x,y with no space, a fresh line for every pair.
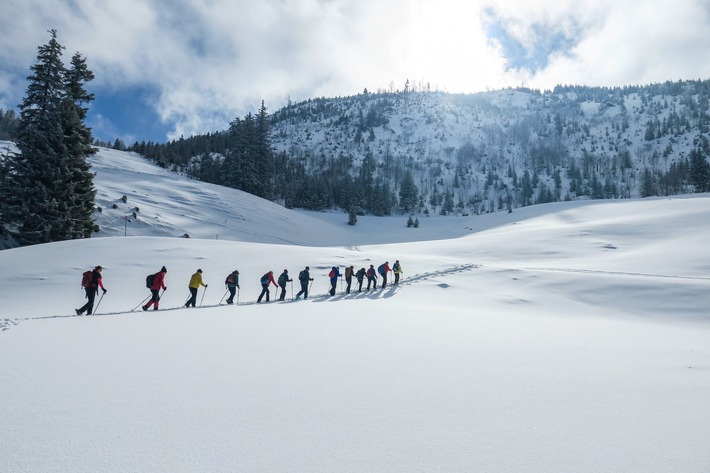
166,69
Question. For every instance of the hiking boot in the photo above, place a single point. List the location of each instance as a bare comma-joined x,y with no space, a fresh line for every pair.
145,307
78,312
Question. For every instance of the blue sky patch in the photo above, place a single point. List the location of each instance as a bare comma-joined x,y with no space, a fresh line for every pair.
533,56
127,114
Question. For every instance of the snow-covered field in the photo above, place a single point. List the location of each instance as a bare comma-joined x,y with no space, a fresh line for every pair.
571,337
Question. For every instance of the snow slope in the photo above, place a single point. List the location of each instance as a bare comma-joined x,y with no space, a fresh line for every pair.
558,338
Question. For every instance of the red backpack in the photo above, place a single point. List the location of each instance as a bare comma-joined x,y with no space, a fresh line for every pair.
86,278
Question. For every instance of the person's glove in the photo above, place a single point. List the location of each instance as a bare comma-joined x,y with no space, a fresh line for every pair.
238,286
206,286
105,291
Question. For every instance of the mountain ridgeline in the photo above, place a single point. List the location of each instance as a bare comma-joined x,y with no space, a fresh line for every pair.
434,152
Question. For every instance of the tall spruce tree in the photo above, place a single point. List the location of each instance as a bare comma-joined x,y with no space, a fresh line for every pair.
78,142
408,193
49,192
699,172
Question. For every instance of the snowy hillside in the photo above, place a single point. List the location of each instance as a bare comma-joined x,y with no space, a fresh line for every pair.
488,152
572,336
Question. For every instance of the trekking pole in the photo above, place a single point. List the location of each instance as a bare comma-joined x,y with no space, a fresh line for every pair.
203,296
225,295
238,290
144,301
292,290
99,303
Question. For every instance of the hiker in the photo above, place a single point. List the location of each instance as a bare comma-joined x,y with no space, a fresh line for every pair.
348,278
371,277
266,279
360,275
397,270
195,283
232,283
383,269
91,283
157,283
333,275
283,279
304,277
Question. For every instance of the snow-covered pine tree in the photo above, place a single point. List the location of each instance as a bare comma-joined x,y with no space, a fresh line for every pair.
408,193
43,198
699,173
78,142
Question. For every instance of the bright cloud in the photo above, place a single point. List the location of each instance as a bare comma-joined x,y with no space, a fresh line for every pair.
212,60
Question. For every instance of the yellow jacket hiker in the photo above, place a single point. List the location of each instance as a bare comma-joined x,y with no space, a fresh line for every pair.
195,283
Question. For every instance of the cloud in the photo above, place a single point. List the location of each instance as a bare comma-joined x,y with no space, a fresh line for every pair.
208,61
615,43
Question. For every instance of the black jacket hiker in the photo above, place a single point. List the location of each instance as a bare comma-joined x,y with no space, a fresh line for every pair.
92,288
283,279
232,283
360,275
304,277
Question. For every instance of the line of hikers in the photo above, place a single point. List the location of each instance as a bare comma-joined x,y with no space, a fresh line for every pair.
91,282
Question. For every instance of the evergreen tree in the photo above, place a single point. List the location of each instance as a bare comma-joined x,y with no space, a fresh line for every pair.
49,194
699,174
352,216
78,142
408,193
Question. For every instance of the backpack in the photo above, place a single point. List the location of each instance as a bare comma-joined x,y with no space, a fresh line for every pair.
370,272
381,269
302,276
282,279
86,278
149,280
265,279
331,274
230,279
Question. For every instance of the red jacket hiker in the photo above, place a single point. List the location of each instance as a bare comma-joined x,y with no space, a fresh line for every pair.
158,281
266,279
158,284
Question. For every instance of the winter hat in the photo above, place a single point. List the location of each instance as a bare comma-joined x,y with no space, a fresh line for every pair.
199,270
98,267
285,270
307,267
163,270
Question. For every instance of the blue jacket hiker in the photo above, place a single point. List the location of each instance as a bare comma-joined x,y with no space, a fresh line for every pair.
334,275
371,277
